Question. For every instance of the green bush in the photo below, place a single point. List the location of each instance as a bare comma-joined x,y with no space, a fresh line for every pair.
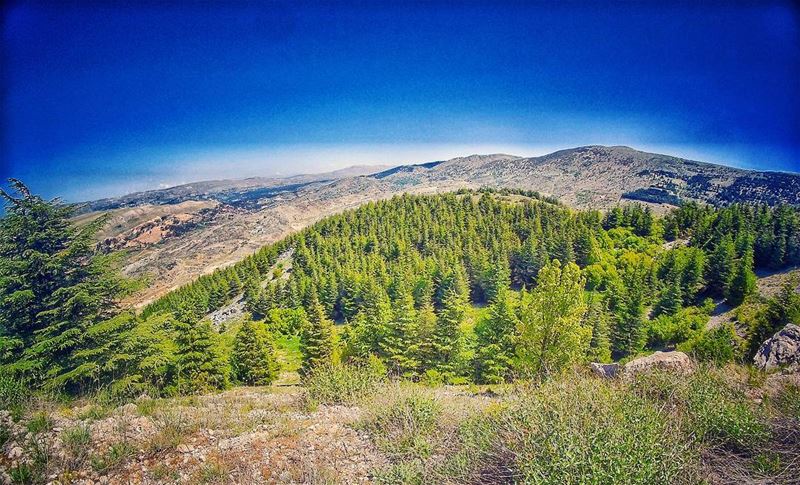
39,423
719,345
117,453
76,443
668,330
400,474
341,384
590,429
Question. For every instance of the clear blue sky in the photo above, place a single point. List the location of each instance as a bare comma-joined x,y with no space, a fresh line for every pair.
102,99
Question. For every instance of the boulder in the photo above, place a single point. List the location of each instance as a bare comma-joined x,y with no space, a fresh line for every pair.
128,409
605,370
677,362
781,351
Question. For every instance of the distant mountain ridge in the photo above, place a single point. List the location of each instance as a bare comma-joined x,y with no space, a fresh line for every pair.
231,219
226,190
599,177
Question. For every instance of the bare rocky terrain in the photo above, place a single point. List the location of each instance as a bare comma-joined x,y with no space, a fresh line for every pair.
177,234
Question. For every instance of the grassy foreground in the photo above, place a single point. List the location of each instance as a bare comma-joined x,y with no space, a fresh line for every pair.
351,425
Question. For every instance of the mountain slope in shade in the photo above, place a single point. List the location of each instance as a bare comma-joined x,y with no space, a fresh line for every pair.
244,217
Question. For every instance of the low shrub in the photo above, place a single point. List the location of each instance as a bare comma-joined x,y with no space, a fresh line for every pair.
788,401
403,419
172,427
116,454
718,346
40,422
588,428
341,383
406,473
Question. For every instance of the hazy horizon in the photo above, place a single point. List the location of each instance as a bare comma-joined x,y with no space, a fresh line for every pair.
106,100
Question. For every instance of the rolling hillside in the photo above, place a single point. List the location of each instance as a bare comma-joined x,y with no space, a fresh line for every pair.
253,212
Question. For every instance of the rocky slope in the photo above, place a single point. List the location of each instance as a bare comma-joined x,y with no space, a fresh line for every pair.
249,213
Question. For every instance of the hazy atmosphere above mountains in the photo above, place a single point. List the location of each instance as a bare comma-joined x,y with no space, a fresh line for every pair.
105,100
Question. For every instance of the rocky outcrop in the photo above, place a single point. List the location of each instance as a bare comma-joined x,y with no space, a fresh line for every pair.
781,351
677,362
605,370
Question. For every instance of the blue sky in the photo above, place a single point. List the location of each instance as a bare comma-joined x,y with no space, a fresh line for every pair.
102,99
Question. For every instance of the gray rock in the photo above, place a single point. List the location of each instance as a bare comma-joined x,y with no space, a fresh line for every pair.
782,350
129,409
16,452
677,362
605,370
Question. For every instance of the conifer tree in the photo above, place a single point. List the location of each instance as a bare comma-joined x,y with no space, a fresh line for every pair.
671,299
199,362
316,339
253,360
597,318
743,282
400,338
52,285
499,279
496,336
424,349
373,320
627,333
446,339
721,265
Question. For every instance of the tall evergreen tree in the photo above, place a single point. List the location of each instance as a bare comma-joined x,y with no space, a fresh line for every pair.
446,339
316,339
424,348
597,318
199,361
496,338
52,285
253,359
743,282
401,335
721,265
671,298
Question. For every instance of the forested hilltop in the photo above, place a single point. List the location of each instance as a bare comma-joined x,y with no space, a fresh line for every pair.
468,286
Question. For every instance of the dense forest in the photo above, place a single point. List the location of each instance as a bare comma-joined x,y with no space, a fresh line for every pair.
473,286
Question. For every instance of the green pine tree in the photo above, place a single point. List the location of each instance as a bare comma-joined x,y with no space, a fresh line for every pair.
53,286
316,339
597,318
446,339
253,360
743,282
401,336
721,266
199,361
496,336
671,299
